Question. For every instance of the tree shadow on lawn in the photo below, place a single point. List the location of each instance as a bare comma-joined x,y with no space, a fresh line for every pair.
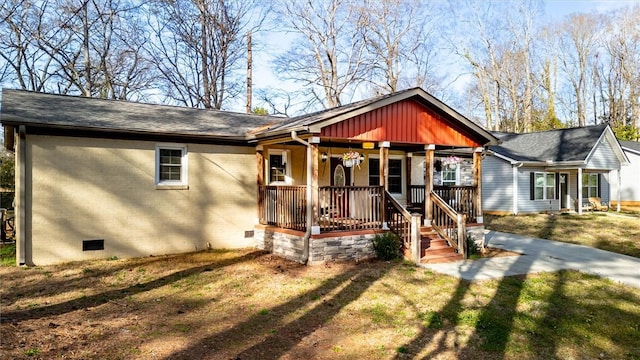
85,269
104,297
269,335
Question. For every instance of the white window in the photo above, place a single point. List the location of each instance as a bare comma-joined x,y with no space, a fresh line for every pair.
279,167
589,185
451,175
545,186
171,166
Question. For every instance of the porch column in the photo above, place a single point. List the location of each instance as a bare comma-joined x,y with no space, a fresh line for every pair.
315,199
428,183
384,164
477,182
384,179
259,176
408,179
579,191
619,189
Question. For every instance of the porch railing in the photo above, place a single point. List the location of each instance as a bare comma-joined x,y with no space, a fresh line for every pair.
461,198
283,206
450,224
350,208
398,220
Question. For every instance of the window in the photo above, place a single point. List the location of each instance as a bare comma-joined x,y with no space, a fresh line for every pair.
395,174
279,167
590,185
171,166
450,175
544,186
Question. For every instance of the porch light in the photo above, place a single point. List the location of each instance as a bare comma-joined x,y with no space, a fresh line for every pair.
324,157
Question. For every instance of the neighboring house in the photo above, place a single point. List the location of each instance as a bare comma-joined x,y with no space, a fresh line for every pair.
549,171
101,178
630,189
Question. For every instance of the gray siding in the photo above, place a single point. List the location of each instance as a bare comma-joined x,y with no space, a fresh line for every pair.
603,157
630,187
497,185
525,204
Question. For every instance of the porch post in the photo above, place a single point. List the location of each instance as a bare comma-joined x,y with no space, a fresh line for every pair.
579,191
315,199
619,189
384,164
260,176
384,177
477,182
428,183
408,179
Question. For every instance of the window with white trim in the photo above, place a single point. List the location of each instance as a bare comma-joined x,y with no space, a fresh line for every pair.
279,169
171,165
589,185
451,175
544,186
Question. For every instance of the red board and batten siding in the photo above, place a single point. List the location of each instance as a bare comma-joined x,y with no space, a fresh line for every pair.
403,122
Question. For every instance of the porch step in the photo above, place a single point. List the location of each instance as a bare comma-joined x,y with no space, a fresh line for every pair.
435,249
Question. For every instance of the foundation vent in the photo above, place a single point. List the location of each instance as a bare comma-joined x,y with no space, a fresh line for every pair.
92,245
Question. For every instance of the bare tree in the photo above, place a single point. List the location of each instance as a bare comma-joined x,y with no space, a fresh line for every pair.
399,47
199,48
326,59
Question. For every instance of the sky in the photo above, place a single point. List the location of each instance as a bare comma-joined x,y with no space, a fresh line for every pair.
554,9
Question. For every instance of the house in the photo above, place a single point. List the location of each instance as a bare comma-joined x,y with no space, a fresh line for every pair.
630,188
100,178
549,171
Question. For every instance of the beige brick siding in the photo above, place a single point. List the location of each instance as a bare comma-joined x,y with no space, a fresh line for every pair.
105,189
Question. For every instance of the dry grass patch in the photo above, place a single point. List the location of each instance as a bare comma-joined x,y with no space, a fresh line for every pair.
251,305
609,231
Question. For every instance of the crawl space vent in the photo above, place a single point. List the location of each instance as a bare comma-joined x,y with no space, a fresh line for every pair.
91,245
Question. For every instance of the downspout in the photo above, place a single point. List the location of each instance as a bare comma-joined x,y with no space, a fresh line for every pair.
307,235
514,185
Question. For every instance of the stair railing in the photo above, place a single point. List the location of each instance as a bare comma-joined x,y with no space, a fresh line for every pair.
449,224
403,224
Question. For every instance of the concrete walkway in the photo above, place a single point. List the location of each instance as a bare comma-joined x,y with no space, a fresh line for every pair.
542,256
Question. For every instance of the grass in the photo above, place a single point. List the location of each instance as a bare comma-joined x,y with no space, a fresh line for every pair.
247,304
609,231
8,254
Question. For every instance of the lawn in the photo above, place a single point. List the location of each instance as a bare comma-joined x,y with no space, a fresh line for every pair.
250,305
609,231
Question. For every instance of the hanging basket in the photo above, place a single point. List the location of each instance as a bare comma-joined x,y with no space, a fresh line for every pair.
351,158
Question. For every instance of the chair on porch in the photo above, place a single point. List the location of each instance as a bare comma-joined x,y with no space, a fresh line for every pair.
598,205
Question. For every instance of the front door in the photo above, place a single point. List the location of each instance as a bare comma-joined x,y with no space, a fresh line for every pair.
564,190
340,176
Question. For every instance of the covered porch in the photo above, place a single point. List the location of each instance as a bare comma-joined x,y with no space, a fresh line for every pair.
369,172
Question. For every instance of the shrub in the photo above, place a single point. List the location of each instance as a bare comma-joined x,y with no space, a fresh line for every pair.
386,246
472,247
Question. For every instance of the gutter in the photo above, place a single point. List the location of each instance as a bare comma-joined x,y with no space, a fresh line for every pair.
307,235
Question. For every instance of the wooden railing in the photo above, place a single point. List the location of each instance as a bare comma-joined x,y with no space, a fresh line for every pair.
450,224
350,208
283,206
461,198
398,220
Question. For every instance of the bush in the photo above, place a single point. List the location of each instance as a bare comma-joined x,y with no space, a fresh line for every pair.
472,247
387,246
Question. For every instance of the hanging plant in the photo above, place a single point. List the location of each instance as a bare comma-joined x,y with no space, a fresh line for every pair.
351,158
451,161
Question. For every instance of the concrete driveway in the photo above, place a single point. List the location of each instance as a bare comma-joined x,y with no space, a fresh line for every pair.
541,255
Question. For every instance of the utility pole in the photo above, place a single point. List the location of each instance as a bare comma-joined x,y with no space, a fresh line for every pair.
249,70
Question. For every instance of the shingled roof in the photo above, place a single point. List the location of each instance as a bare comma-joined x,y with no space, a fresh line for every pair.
634,146
561,145
80,113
